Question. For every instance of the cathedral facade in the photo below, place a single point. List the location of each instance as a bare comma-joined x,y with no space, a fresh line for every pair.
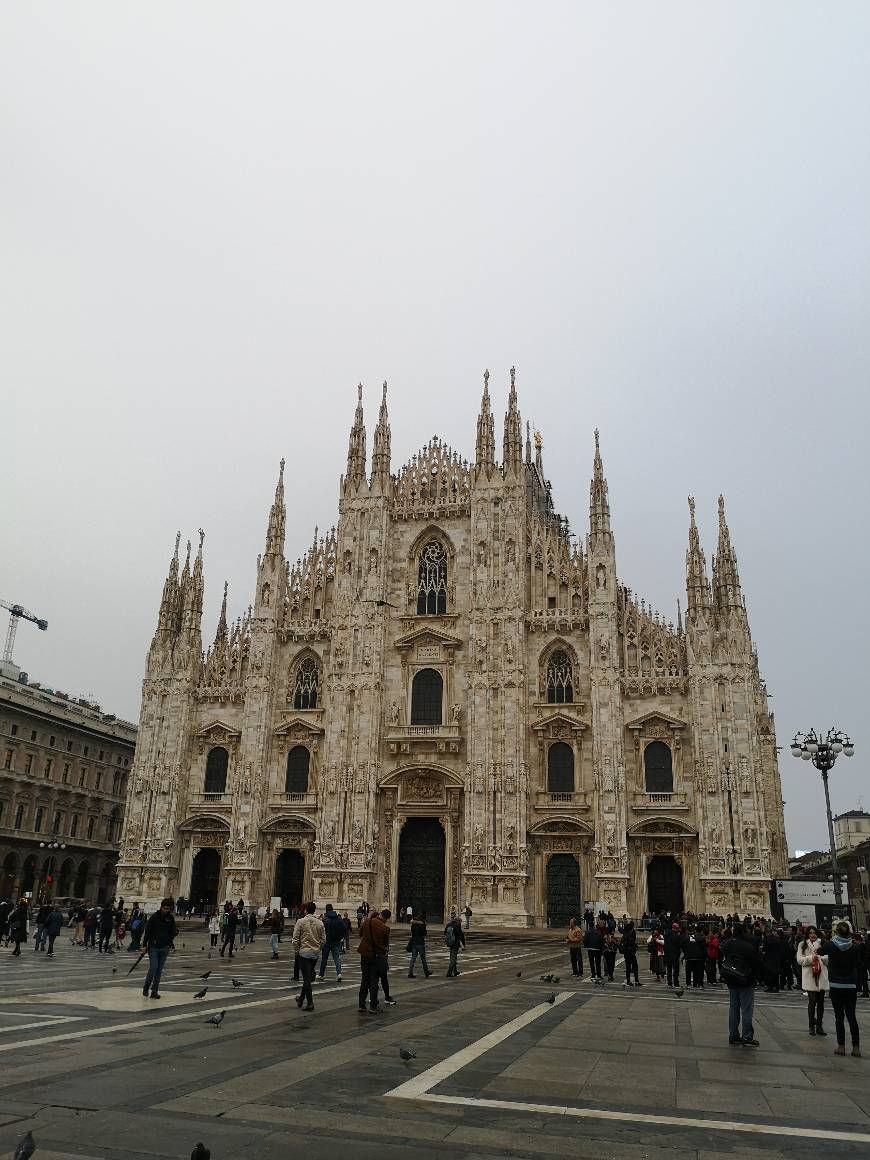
450,700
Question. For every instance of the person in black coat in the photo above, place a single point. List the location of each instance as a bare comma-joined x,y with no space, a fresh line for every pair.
741,967
594,943
52,928
773,953
628,949
844,958
18,925
417,944
673,950
106,927
694,952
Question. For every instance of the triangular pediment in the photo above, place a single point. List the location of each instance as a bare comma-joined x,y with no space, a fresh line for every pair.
218,729
299,727
558,719
655,717
427,634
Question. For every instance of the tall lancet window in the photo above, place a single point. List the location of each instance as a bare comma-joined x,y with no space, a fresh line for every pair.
560,678
432,580
307,681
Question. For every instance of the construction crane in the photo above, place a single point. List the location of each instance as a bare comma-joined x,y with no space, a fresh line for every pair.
16,613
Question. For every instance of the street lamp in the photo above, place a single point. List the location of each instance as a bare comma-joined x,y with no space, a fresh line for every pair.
54,844
823,753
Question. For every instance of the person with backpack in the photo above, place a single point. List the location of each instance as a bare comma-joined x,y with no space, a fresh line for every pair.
628,950
741,967
574,939
814,977
417,944
843,957
594,943
334,930
454,938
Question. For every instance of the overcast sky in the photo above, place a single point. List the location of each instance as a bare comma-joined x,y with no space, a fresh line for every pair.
215,219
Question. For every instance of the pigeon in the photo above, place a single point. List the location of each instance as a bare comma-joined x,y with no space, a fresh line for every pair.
551,999
236,982
217,1019
519,974
206,975
546,978
201,994
25,1149
200,1152
184,946
209,954
555,978
405,1054
679,992
114,970
202,948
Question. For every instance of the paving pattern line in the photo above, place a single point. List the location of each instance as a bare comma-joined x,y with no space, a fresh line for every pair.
644,1118
421,1084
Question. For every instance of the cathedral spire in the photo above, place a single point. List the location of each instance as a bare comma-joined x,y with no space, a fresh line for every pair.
726,581
512,456
528,444
168,614
381,444
356,448
191,612
698,594
221,636
485,446
277,520
599,505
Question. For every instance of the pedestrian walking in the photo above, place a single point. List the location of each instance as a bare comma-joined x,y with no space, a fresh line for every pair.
159,935
252,925
467,912
772,952
611,944
814,978
348,930
41,919
273,925
53,924
628,949
574,939
673,946
711,963
843,957
741,968
594,943
694,953
374,940
417,944
105,928
454,938
308,940
18,926
231,925
137,926
334,929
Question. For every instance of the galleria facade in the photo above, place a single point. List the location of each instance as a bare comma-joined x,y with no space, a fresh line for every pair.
448,699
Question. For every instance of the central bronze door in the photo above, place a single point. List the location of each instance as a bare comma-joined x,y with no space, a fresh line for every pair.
422,847
563,890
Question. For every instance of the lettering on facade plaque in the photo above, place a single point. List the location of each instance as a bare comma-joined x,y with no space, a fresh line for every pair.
428,652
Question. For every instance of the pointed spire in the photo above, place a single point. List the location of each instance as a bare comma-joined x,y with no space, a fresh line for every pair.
485,446
539,453
726,581
356,448
277,521
221,636
698,593
168,615
599,505
381,444
512,446
528,443
191,610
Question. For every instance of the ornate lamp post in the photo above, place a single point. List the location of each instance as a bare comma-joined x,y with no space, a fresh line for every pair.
823,753
46,887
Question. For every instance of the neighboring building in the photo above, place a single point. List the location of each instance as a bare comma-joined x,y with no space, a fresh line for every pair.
64,766
447,700
853,865
802,864
851,829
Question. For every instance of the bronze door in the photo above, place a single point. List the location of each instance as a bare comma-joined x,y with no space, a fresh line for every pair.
563,889
422,847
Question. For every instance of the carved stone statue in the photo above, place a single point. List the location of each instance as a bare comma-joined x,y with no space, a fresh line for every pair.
456,713
394,713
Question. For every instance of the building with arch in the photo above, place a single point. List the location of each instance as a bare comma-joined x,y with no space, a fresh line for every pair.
450,699
64,766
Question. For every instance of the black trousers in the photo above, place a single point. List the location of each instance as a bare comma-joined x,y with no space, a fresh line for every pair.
576,961
674,972
815,1008
609,963
843,1000
382,968
631,966
594,963
710,967
694,972
229,941
368,983
308,966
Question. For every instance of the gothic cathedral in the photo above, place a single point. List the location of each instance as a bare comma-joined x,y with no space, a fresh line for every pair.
449,700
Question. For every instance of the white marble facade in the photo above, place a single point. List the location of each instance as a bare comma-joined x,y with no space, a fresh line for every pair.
451,652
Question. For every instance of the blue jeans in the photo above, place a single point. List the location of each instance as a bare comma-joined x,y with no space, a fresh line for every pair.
418,949
41,936
156,961
742,1000
333,949
273,942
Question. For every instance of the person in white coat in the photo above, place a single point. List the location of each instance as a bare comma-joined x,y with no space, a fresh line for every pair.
814,977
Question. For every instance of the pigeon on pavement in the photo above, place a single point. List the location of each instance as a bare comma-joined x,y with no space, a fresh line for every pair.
546,978
114,970
201,994
202,948
236,982
679,992
26,1148
200,1152
555,978
551,999
217,1019
405,1054
206,975
519,974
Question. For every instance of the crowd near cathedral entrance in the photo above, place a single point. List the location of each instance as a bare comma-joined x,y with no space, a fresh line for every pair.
454,697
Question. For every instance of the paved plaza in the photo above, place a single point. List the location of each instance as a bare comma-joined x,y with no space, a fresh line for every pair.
95,1070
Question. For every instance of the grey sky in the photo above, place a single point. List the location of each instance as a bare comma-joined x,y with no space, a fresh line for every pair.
215,219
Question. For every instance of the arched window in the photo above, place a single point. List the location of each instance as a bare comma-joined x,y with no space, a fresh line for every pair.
74,826
307,681
560,678
432,580
298,763
19,817
112,826
658,768
427,694
37,821
90,829
216,766
560,768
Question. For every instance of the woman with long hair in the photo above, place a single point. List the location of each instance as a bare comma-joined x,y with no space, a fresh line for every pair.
814,977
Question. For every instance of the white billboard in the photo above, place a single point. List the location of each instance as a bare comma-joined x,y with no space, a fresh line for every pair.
796,890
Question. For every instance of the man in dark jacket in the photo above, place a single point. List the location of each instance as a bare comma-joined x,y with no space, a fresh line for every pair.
694,952
52,929
232,924
18,926
453,941
335,932
741,966
107,925
594,943
41,919
374,943
673,950
773,953
160,933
